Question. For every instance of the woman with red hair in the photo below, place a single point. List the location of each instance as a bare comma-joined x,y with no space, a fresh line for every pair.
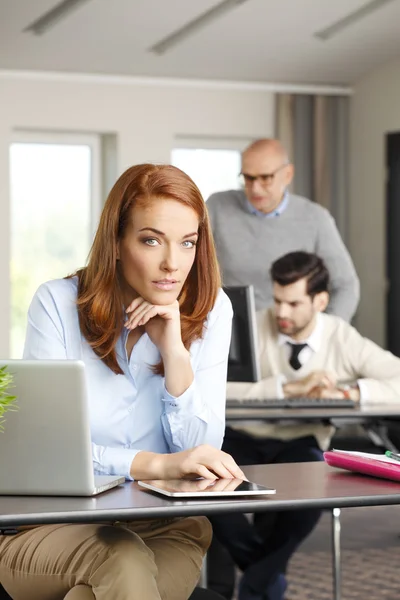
152,325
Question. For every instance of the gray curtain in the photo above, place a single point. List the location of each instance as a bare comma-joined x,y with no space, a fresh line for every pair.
314,129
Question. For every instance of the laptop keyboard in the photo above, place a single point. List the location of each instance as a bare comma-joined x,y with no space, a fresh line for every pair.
292,403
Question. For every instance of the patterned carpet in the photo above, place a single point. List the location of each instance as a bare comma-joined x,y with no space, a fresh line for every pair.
370,547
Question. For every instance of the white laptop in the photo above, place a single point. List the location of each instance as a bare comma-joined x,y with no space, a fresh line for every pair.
45,447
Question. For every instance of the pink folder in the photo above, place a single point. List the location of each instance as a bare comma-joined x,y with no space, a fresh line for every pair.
361,464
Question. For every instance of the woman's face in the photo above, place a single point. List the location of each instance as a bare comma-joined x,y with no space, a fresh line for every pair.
158,250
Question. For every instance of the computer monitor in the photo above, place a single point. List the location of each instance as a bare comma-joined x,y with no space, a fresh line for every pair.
243,361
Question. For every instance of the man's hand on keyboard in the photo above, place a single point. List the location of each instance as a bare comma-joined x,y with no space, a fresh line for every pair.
321,392
317,379
352,393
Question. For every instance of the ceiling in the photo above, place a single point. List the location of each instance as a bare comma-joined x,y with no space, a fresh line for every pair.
257,41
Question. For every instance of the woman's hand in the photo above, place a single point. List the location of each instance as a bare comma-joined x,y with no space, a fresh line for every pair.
161,323
163,326
201,461
204,461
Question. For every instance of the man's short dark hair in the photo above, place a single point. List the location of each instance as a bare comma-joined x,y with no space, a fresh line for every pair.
296,265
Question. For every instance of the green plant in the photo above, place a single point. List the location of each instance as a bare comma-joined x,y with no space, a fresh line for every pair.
7,402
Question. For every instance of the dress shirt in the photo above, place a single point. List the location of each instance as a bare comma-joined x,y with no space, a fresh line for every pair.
313,342
134,411
275,213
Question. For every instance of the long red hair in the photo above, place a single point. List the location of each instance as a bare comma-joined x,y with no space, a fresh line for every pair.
100,305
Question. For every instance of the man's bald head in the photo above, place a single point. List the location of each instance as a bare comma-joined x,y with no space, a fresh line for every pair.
267,172
267,146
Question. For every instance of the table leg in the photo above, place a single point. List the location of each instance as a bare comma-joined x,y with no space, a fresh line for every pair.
336,566
378,434
203,574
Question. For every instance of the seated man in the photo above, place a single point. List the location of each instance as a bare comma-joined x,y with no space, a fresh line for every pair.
303,352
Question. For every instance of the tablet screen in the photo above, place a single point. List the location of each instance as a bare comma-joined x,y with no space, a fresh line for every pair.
195,488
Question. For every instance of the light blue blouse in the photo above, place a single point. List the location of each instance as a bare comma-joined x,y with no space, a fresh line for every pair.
134,411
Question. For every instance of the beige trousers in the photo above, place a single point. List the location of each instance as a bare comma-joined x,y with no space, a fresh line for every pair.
158,559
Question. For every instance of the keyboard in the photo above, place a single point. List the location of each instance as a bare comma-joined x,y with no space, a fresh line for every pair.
292,403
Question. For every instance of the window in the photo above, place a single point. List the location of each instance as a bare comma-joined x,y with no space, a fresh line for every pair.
214,165
55,205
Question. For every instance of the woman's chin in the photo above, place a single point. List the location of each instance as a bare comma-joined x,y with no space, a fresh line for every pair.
161,297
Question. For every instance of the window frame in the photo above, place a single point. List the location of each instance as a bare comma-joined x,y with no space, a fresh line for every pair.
61,138
200,142
210,143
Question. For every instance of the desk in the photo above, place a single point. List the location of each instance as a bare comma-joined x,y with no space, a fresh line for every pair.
372,411
298,485
374,417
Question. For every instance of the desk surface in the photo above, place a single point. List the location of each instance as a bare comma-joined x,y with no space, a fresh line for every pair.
371,411
298,485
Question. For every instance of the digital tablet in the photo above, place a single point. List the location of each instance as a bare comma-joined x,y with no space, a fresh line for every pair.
205,488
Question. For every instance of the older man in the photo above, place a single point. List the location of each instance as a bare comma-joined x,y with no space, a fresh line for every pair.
255,226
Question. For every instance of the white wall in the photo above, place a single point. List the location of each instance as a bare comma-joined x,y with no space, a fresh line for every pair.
375,111
144,117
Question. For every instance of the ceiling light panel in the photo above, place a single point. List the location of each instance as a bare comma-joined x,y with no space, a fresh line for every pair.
351,19
195,25
53,16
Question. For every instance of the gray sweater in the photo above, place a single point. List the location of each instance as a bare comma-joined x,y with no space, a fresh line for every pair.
248,244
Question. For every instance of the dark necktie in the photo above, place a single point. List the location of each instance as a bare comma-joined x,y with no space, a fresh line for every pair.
294,356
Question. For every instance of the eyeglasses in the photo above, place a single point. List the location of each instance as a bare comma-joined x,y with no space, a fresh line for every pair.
265,180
